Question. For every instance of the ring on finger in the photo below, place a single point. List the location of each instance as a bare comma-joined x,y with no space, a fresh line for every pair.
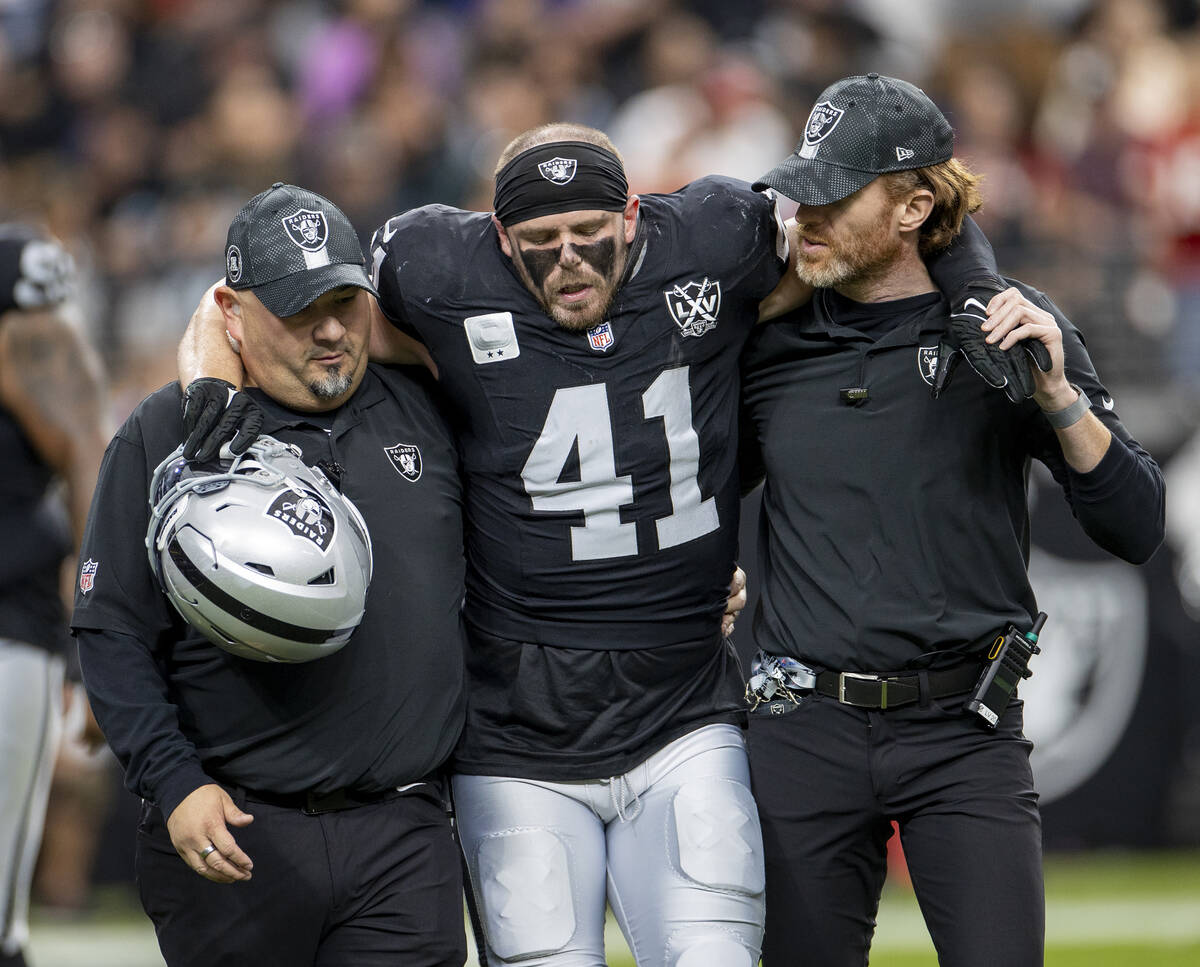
210,848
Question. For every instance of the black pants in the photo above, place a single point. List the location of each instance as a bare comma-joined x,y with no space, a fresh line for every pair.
829,779
375,885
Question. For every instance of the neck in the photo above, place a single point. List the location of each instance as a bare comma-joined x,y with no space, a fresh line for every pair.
905,276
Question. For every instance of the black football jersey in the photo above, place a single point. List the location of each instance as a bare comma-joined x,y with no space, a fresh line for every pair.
602,487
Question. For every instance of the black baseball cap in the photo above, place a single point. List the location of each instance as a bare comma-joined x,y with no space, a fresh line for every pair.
861,127
290,246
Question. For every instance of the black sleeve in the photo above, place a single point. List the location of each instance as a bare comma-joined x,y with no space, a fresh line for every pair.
966,262
383,273
1120,503
129,695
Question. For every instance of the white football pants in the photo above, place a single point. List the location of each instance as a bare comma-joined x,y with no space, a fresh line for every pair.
31,684
674,845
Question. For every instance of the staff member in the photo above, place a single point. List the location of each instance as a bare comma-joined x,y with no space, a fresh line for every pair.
894,544
292,812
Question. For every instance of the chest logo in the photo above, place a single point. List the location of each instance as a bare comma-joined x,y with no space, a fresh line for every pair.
600,337
492,337
307,229
406,458
306,513
558,171
927,362
694,306
87,575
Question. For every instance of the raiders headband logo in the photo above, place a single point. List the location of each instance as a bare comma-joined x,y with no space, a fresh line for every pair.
821,122
87,575
233,264
927,360
406,458
307,229
694,306
306,514
558,171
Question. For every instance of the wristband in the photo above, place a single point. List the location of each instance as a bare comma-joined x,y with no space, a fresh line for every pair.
1061,419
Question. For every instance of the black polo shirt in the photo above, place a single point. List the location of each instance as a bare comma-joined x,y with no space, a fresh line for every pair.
383,711
896,526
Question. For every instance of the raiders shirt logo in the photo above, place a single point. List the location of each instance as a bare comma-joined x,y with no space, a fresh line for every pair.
927,362
306,514
406,458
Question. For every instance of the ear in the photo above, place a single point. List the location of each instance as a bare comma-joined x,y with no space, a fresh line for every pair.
505,244
230,304
918,208
630,218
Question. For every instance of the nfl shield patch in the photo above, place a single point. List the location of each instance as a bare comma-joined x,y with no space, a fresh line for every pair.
600,337
558,171
694,306
927,361
87,575
307,514
406,458
307,229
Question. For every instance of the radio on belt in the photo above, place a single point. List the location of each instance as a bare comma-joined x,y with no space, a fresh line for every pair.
1007,664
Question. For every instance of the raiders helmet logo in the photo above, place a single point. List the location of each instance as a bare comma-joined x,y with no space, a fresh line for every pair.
406,458
558,171
233,264
307,514
927,361
87,575
821,121
694,306
307,229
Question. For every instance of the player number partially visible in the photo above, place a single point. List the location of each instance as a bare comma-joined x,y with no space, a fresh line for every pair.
579,417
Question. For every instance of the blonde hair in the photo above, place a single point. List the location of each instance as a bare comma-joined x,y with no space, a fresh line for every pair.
956,194
556,131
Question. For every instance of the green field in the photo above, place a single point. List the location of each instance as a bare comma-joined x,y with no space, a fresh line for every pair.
1102,910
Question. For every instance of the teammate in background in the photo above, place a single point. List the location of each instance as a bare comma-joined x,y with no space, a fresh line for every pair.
51,432
321,777
588,342
893,549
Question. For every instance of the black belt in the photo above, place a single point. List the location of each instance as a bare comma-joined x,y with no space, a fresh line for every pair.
314,803
885,690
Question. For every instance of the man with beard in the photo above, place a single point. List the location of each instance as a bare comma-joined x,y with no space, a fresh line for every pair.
893,550
293,811
587,340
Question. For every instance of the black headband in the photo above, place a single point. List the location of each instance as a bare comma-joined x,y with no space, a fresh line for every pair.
563,176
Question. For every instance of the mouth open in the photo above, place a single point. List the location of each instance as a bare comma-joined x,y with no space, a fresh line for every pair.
575,292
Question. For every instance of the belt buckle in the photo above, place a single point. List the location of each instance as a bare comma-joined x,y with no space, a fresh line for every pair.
865,676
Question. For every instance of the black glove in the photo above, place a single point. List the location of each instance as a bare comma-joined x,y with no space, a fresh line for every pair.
213,412
1005,369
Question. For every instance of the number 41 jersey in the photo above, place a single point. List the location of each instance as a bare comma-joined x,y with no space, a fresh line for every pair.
601,478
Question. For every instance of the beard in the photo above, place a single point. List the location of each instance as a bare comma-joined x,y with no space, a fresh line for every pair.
335,382
586,315
861,257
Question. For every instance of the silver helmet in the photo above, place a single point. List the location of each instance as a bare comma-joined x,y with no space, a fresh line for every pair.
265,558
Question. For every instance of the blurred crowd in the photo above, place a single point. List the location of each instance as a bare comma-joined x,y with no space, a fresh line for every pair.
133,130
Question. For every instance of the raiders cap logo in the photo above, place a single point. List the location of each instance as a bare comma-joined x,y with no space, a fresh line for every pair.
821,122
558,171
307,229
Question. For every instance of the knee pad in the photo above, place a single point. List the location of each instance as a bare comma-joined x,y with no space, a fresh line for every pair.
524,885
713,950
718,835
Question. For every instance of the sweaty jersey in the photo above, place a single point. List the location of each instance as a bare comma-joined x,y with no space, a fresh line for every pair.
602,487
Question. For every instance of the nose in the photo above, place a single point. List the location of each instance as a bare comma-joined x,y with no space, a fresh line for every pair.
329,330
568,255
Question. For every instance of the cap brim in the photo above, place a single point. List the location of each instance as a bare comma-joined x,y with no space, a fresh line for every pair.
811,182
295,292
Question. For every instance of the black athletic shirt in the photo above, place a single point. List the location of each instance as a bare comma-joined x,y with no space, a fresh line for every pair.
37,536
898,526
601,477
383,711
